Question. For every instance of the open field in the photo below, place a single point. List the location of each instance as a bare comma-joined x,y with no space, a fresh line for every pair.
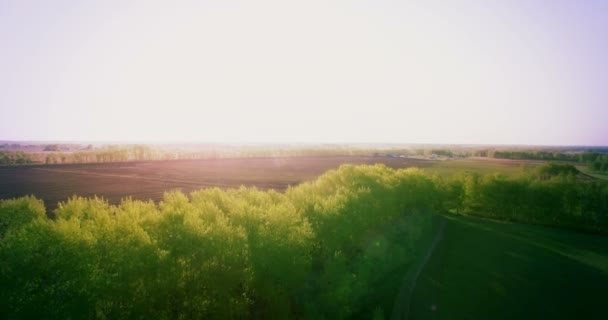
490,270
483,165
149,179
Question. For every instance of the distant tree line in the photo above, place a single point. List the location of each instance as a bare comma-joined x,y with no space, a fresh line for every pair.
14,158
124,153
106,154
536,155
52,147
595,161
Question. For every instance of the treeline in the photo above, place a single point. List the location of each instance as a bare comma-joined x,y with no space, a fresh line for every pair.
333,248
14,158
536,155
52,154
553,195
106,154
597,162
125,153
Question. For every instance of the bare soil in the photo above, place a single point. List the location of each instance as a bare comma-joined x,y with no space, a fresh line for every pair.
150,179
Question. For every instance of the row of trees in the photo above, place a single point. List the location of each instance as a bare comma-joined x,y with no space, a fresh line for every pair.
331,248
596,161
106,154
536,155
125,153
493,153
14,158
552,195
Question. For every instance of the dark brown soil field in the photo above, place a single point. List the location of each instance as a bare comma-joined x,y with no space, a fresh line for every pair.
149,179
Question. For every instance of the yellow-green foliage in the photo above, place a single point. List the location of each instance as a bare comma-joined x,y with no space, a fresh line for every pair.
336,247
17,212
369,219
320,250
551,196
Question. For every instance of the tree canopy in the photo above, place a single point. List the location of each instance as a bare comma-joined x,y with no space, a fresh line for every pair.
335,247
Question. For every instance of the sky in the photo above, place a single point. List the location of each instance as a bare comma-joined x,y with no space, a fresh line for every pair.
457,72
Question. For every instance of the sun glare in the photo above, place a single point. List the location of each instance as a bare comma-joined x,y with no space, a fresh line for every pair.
273,71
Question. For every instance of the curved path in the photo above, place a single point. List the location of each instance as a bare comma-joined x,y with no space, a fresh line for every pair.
484,269
401,307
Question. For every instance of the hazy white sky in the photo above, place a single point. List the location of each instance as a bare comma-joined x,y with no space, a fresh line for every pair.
520,72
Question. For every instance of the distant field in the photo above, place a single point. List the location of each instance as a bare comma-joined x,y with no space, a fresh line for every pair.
149,179
483,165
483,269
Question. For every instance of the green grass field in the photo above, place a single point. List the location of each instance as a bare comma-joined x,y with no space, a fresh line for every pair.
482,166
484,269
585,170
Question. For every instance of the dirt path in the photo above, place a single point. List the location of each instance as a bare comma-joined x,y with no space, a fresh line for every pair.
401,307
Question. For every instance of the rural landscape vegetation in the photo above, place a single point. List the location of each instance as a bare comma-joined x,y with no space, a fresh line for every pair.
309,233
303,160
